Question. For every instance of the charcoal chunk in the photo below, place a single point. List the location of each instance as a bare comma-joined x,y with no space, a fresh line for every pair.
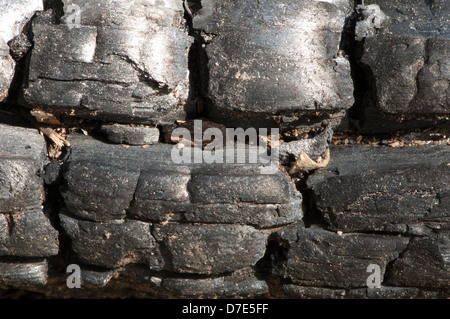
24,273
425,263
27,234
22,154
97,278
24,229
240,283
401,190
14,15
111,245
132,135
316,257
407,57
270,58
210,249
122,62
109,182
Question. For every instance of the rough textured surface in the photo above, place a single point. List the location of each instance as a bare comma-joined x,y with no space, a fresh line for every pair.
275,57
14,14
210,249
242,283
132,135
407,57
294,291
315,257
425,262
104,187
23,274
152,188
383,189
313,147
106,68
27,234
113,244
22,154
192,218
24,229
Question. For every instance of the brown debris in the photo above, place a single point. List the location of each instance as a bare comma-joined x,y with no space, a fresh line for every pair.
397,139
304,163
45,117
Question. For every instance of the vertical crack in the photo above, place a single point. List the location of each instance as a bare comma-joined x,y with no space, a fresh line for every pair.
268,267
359,73
390,264
198,99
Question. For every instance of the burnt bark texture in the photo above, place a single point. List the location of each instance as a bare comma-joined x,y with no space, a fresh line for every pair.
99,106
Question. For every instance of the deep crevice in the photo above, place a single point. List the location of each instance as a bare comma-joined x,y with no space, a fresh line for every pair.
21,71
311,216
198,64
270,266
359,74
390,265
57,7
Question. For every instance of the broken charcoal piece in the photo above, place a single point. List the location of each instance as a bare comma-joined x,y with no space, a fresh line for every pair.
97,278
210,249
122,62
22,157
271,58
25,230
14,15
52,174
105,191
320,258
367,188
19,46
242,283
23,273
27,234
425,263
112,244
406,57
132,135
108,182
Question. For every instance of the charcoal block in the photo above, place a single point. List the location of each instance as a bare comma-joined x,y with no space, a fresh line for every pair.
14,15
407,57
132,135
27,234
22,154
367,188
112,245
120,62
241,283
270,58
109,182
210,249
24,229
24,273
320,258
